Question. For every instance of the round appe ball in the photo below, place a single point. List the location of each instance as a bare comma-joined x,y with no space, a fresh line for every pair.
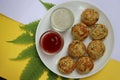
98,31
80,31
84,65
66,65
89,16
76,49
96,49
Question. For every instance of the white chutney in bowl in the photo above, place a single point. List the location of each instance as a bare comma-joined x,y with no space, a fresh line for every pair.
62,19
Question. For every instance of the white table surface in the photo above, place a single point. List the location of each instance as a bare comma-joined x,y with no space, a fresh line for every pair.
26,11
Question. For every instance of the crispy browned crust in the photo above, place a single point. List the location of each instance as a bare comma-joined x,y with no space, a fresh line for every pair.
66,65
80,31
76,49
96,49
98,31
89,16
84,65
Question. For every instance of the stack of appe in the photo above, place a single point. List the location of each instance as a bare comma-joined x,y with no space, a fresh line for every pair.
81,57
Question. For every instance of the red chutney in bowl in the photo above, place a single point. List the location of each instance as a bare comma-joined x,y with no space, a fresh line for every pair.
51,42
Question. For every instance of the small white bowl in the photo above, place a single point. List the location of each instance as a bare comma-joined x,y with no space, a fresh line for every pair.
61,19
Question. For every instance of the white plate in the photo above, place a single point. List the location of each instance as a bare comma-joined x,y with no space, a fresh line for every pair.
76,7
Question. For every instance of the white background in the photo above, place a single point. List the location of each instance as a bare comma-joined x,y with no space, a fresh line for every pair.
26,11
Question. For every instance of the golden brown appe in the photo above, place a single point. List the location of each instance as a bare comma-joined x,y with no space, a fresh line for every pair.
89,16
66,65
80,31
96,49
76,49
84,65
98,31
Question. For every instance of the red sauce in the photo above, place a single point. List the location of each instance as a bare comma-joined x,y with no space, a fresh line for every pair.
51,42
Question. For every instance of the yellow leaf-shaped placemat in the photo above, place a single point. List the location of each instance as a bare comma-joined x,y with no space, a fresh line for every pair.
11,70
109,72
9,30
